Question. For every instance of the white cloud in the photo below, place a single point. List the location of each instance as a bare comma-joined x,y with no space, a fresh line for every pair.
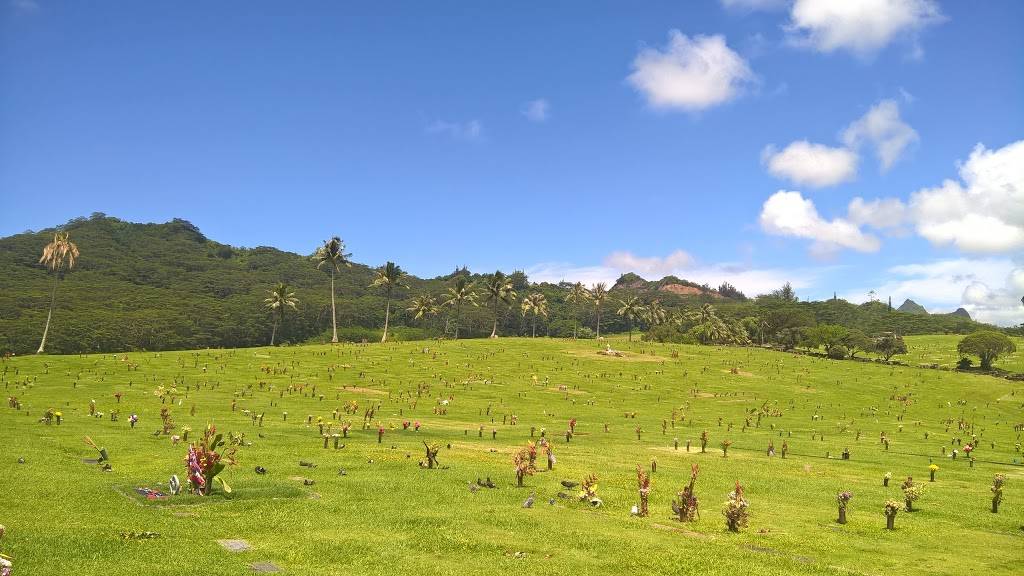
790,214
690,74
471,130
988,288
883,128
984,212
810,164
860,26
887,213
537,110
750,280
655,266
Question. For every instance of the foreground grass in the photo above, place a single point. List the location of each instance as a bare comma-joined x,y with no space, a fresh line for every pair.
389,516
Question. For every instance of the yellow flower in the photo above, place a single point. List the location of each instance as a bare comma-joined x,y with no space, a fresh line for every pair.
933,467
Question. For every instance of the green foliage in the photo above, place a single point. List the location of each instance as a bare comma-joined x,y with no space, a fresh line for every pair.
988,345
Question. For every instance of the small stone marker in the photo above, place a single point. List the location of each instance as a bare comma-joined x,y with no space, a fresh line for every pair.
264,567
234,545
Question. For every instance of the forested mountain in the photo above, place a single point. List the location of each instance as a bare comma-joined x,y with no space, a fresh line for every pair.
167,286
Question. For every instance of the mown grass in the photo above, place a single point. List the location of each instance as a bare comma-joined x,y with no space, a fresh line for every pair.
941,349
389,516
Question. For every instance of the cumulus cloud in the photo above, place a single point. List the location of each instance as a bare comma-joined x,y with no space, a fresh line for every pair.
788,213
862,27
690,73
984,212
537,110
810,164
990,289
882,128
881,213
748,279
471,130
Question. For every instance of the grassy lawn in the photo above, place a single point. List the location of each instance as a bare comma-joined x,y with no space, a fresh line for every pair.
941,349
387,515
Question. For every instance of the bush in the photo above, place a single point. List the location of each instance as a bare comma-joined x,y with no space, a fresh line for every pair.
668,333
964,363
838,352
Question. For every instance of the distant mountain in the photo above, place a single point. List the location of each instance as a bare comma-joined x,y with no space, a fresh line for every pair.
962,313
911,307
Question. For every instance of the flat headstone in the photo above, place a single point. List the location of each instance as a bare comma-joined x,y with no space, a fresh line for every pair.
235,545
264,567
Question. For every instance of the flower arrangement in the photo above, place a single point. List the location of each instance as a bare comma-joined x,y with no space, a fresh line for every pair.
432,450
997,491
643,483
549,453
102,451
843,500
686,506
892,507
703,441
588,491
886,478
735,510
725,448
531,449
911,492
204,463
166,419
521,465
133,420
932,469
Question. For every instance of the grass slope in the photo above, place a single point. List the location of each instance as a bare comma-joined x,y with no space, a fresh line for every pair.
941,349
388,516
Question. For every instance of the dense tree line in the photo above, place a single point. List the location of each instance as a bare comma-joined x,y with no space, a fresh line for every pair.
166,286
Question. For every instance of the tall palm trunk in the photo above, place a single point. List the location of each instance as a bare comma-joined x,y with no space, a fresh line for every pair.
494,329
458,315
387,318
599,321
53,298
629,325
534,325
334,314
575,319
273,332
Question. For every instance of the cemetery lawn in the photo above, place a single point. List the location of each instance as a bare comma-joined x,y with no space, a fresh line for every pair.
941,349
386,515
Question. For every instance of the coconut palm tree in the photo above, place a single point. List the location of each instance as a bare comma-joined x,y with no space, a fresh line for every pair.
422,306
538,305
332,254
389,277
59,256
459,294
578,294
498,290
630,309
655,313
280,298
598,294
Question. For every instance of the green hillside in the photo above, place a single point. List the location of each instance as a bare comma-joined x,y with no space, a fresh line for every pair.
166,286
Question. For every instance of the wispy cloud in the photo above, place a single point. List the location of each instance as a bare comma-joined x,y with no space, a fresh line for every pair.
679,263
25,5
471,130
537,110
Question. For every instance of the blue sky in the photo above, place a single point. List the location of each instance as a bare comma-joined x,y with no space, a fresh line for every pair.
726,140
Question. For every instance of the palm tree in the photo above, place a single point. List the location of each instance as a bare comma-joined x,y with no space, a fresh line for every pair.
498,290
655,313
631,308
577,295
58,256
461,293
538,305
280,298
710,329
389,277
422,306
332,254
598,294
